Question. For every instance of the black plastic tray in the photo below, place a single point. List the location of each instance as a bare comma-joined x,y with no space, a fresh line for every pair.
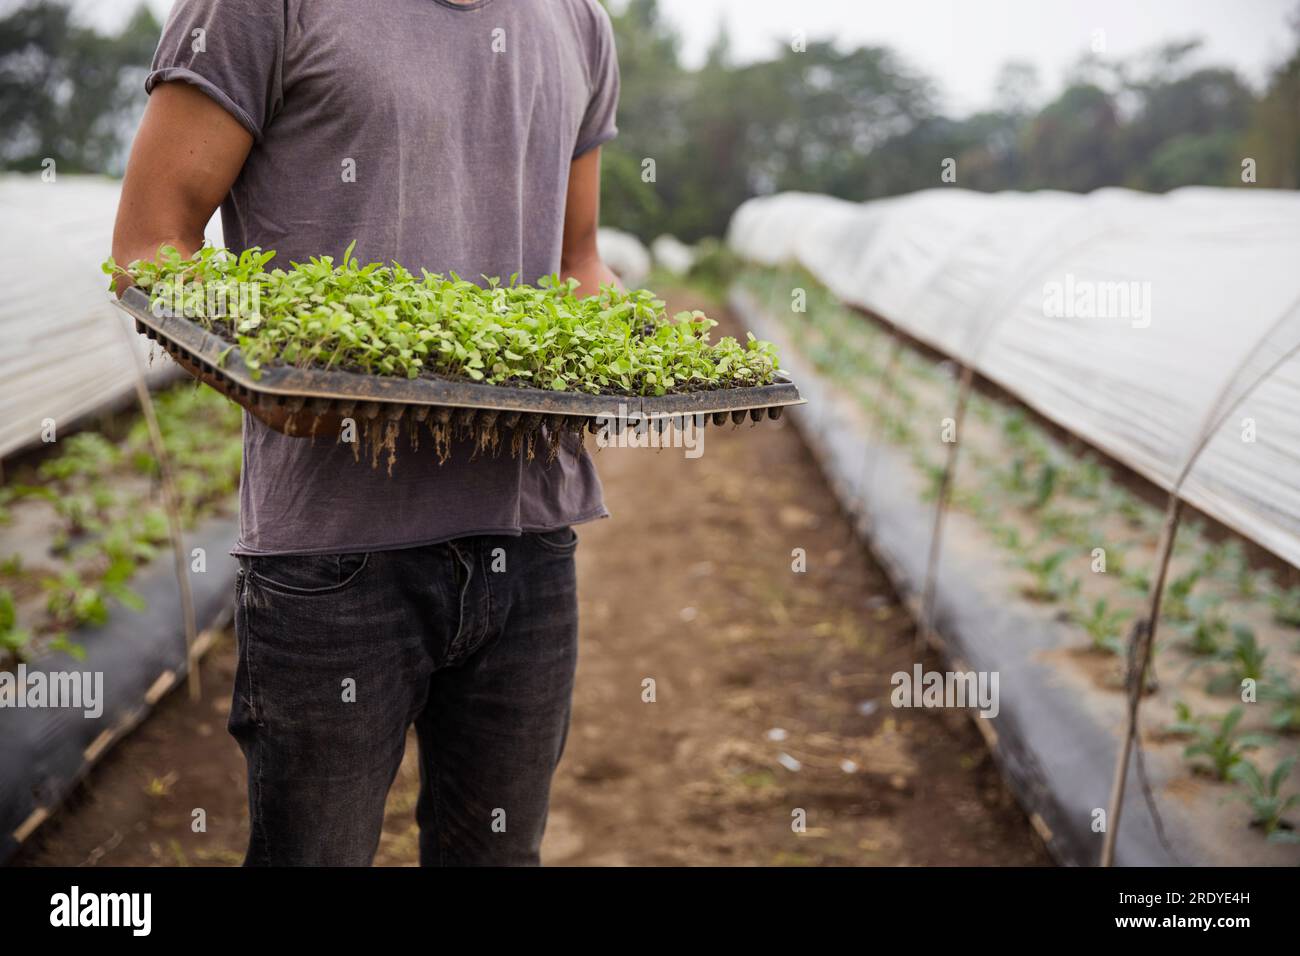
370,396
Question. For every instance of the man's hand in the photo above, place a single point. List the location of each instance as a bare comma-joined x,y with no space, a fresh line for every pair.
187,154
579,258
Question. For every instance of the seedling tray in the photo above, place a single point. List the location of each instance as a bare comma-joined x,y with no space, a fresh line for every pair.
468,404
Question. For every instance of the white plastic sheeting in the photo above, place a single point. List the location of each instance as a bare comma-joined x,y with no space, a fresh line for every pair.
625,254
1133,320
672,255
61,354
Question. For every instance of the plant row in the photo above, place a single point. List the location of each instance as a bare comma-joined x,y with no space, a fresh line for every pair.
1052,508
97,502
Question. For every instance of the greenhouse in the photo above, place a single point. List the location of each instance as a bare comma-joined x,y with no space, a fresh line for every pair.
1154,344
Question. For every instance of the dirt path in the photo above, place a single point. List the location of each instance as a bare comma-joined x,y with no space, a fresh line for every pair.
771,697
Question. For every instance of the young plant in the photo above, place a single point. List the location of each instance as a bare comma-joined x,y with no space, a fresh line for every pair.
1104,625
1049,580
1264,795
1286,606
1216,745
1176,606
1207,629
1286,698
14,640
1044,486
1244,659
72,602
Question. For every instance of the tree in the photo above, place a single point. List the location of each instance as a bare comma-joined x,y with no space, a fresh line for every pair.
1273,136
69,92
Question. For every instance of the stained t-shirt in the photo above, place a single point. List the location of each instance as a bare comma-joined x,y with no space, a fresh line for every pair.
434,134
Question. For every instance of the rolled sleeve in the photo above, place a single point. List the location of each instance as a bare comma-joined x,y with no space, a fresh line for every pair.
231,50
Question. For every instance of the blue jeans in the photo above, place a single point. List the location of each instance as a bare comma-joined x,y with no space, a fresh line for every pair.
474,641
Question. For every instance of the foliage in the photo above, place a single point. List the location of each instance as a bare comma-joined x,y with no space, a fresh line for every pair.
1049,580
68,92
12,637
855,122
1103,624
1264,795
383,320
1216,743
1244,659
106,535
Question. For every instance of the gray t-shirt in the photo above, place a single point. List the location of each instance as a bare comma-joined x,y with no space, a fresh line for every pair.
435,134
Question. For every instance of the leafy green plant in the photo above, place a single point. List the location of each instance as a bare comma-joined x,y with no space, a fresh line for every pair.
1103,624
1049,580
1087,478
13,639
383,320
1286,698
1178,592
1286,606
1044,486
1216,745
72,601
1244,659
1264,795
1137,581
1207,628
1232,562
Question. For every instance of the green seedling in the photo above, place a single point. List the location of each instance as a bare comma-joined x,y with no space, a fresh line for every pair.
61,642
14,640
1017,479
383,320
1049,580
1016,428
1286,606
1244,659
1133,511
73,602
1286,700
83,455
1104,625
1216,746
1233,563
1088,479
1207,629
1176,603
1138,581
934,477
1044,486
1264,796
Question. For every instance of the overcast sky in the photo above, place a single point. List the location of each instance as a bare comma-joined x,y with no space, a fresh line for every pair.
962,43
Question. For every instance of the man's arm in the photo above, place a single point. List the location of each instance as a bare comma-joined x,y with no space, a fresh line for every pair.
186,156
579,258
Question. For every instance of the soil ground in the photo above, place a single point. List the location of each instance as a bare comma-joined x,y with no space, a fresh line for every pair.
771,701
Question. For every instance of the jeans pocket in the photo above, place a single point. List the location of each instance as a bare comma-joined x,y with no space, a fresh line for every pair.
559,541
308,574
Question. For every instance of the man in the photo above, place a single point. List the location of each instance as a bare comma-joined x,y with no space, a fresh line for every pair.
451,135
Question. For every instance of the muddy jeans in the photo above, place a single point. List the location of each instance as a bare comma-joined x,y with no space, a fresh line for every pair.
473,641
